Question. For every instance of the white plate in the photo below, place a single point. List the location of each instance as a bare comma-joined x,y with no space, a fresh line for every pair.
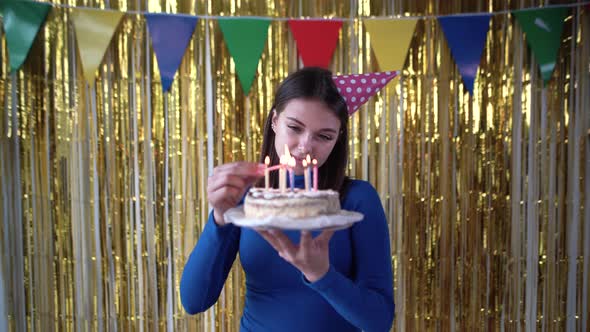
338,221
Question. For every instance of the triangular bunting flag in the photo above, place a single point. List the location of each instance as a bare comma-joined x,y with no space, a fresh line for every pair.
94,30
245,39
316,40
22,21
356,89
170,36
390,40
543,28
466,36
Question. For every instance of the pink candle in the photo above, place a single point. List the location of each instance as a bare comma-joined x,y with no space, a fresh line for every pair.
315,174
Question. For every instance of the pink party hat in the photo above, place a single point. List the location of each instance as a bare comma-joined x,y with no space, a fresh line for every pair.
356,89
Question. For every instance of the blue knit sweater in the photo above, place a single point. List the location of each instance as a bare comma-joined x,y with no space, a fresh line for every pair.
356,293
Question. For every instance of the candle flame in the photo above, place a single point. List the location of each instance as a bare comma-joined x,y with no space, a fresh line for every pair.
315,162
267,160
308,158
287,152
304,163
292,162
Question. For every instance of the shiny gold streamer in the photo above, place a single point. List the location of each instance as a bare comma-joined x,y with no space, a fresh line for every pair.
103,189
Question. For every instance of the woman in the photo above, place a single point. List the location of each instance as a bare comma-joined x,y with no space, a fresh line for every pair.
298,281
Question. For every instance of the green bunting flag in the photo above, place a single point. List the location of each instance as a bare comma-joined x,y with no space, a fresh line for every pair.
22,21
543,29
245,39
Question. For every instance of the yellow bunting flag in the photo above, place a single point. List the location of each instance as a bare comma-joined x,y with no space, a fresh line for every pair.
94,30
390,40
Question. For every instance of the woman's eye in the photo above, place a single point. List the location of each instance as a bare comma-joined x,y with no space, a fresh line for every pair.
294,128
325,137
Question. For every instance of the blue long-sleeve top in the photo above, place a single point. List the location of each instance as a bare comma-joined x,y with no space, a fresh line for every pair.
355,294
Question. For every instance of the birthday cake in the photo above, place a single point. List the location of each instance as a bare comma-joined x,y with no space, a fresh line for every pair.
261,203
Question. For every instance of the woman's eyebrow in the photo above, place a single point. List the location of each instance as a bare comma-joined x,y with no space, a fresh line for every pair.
303,125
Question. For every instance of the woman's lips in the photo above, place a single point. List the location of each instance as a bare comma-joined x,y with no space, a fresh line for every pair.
299,161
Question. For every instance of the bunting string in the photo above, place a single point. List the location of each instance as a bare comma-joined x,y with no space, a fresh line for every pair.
333,18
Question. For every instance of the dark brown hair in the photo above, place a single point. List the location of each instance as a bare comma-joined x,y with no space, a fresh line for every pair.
312,83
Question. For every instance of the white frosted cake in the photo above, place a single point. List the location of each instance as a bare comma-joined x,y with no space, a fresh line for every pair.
262,203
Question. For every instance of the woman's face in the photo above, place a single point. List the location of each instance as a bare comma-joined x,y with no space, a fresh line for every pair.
306,126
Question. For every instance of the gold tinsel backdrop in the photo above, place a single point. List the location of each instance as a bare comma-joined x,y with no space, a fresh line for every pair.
103,193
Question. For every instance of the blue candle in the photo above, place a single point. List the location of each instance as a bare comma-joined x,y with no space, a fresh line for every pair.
292,173
307,172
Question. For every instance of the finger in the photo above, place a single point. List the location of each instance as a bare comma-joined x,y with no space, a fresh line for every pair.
240,181
251,180
235,193
241,168
278,246
284,242
305,242
230,203
222,206
223,193
232,165
227,195
221,180
270,239
324,237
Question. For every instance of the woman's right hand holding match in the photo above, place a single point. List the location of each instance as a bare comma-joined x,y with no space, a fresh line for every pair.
228,183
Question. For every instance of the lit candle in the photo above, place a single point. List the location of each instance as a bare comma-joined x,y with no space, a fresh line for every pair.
282,177
266,177
306,175
315,174
308,172
285,159
292,164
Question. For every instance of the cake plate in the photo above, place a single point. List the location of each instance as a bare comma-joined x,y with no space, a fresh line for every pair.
341,220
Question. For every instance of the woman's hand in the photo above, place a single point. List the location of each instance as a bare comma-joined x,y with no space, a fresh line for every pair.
228,184
311,256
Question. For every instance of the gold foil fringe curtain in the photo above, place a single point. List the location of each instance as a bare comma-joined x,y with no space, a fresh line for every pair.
103,189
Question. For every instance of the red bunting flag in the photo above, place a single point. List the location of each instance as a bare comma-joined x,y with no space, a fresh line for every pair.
316,40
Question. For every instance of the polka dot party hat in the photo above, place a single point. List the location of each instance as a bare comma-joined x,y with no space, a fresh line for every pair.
356,89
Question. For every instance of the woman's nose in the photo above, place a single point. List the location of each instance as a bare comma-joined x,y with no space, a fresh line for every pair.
304,145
